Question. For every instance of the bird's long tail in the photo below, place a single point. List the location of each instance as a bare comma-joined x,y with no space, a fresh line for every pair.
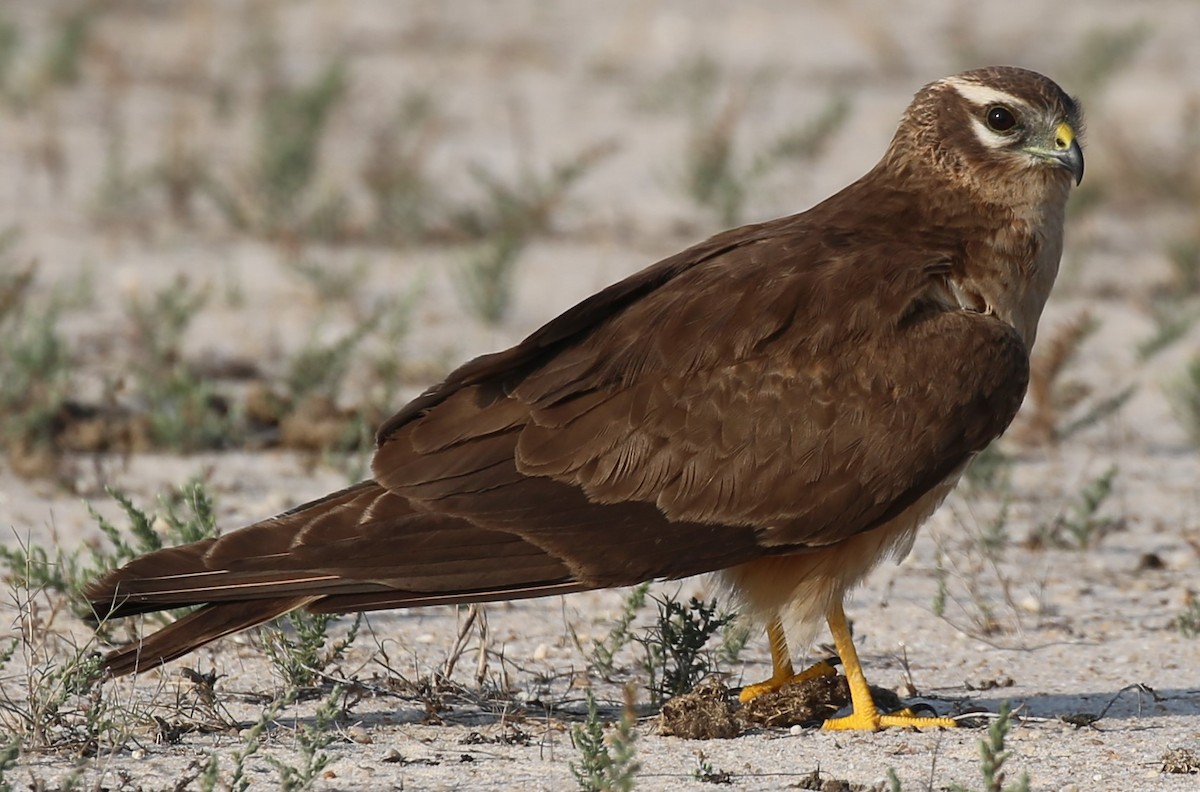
194,630
359,549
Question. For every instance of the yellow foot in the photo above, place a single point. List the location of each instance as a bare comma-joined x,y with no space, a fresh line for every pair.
873,721
819,669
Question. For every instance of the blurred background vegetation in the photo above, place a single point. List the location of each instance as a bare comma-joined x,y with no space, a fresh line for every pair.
267,224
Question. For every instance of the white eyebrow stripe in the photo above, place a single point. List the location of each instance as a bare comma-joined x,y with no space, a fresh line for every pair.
981,94
987,137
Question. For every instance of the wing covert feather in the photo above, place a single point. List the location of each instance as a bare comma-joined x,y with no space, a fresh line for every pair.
803,400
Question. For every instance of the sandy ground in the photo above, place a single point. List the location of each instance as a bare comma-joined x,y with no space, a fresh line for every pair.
532,83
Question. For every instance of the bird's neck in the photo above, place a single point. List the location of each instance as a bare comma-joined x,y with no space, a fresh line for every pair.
1005,236
1007,255
1014,263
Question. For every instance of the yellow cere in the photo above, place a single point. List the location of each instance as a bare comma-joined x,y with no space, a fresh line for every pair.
1064,136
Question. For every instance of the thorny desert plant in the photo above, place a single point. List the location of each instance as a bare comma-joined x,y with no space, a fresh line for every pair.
993,756
970,575
735,634
510,215
62,705
273,198
603,652
525,206
1173,318
120,196
293,119
674,646
330,282
1185,397
184,410
10,751
1187,622
316,375
210,779
990,470
159,322
718,174
1184,256
186,413
306,406
302,659
977,604
55,701
182,170
718,177
687,86
403,194
1059,407
15,281
386,367
485,282
311,740
62,57
706,773
186,515
608,762
10,45
1174,306
1080,525
35,370
321,368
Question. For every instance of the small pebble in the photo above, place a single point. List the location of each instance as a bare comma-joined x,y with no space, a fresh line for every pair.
1031,604
425,638
541,652
359,735
796,730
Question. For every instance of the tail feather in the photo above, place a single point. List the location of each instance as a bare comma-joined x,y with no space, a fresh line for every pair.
359,549
383,600
194,630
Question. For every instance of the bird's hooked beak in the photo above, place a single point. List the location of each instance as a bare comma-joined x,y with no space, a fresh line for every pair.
1063,150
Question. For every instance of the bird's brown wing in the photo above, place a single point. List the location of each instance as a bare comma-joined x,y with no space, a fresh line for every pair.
782,393
761,393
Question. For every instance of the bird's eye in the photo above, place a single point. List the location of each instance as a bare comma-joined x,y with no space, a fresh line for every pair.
1000,119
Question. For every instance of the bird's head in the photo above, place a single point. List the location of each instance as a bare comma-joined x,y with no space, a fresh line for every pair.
1007,134
990,156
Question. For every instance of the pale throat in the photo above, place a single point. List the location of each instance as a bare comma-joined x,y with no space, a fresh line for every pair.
1017,273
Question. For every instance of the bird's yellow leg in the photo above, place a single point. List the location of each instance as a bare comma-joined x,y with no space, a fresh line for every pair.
782,671
865,716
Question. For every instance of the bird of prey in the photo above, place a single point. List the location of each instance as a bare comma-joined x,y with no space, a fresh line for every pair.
782,404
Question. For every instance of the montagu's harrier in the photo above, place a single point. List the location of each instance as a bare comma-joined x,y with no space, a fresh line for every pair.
783,403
